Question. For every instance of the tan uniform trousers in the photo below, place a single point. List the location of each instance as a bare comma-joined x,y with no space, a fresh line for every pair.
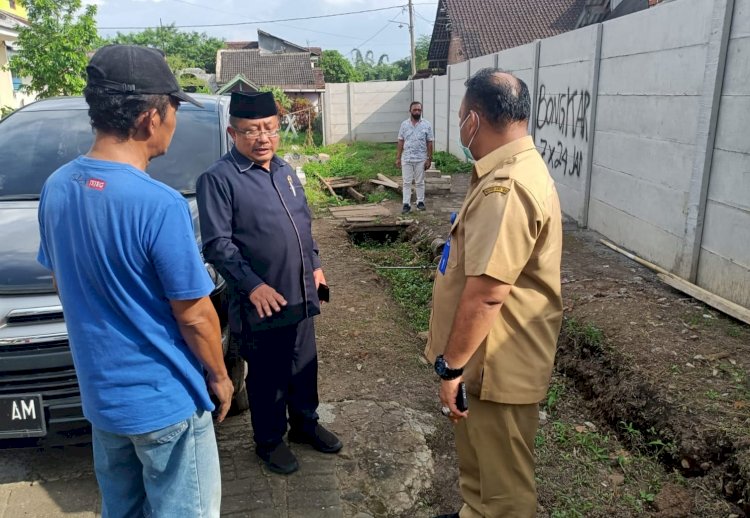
496,460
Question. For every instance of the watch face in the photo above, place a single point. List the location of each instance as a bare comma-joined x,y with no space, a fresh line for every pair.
440,366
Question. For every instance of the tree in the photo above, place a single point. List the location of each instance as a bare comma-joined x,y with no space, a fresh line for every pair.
337,69
5,111
421,49
193,48
192,84
283,102
53,48
371,70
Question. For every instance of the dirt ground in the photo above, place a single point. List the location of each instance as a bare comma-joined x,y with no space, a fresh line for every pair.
648,412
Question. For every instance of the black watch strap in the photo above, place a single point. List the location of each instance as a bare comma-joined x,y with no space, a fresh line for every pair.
445,371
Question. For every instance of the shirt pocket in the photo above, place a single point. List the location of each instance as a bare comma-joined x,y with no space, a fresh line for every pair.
456,244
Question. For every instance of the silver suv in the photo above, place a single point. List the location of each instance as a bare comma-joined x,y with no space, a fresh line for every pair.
39,395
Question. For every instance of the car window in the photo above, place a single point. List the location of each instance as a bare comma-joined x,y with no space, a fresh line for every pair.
33,144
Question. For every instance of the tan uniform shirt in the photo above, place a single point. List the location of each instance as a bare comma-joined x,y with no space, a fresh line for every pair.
510,228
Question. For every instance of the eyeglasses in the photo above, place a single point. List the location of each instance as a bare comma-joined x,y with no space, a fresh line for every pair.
253,134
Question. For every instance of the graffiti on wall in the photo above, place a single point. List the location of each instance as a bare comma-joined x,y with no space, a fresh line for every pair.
567,113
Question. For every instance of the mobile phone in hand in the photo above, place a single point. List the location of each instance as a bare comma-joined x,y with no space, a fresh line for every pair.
324,294
462,399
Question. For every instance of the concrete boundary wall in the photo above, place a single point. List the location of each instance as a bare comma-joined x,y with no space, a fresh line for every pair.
642,122
366,111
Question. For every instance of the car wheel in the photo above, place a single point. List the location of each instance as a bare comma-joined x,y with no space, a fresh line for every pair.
237,373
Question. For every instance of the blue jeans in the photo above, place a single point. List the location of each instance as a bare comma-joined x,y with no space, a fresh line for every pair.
172,472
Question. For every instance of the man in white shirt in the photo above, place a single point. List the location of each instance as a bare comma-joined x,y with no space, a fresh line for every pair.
414,154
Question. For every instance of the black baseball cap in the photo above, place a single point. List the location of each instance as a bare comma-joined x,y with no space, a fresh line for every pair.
132,69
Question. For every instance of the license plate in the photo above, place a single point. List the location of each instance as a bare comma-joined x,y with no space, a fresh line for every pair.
22,416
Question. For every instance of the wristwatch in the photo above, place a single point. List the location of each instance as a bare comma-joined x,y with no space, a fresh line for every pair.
445,372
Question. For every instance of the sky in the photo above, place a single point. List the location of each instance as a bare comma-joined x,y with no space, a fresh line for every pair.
383,32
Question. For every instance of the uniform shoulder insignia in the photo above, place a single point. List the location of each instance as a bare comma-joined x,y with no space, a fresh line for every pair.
500,189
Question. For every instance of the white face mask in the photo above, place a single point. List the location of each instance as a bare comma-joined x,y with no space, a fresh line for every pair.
465,148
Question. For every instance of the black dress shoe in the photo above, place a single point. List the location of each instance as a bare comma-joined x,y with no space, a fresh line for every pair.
320,439
279,458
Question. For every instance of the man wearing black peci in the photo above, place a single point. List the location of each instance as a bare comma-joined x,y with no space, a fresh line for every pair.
256,230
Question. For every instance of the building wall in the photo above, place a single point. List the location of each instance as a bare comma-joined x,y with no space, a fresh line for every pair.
650,89
18,9
564,113
366,111
642,121
724,261
6,83
456,53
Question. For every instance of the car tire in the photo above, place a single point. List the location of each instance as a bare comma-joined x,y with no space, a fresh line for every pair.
240,400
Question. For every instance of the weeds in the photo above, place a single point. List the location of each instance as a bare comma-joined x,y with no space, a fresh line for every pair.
584,335
412,289
378,197
449,164
554,393
712,394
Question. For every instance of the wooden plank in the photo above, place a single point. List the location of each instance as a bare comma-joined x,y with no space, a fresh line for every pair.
363,206
386,184
725,306
365,212
634,257
369,210
361,219
323,181
355,194
388,181
377,227
344,184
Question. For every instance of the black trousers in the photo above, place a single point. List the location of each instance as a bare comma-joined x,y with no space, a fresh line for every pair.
282,376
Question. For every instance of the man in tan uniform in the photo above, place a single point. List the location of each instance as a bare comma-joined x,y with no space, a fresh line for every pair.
497,308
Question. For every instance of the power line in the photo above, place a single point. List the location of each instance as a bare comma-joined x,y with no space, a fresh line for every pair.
213,9
344,36
373,36
430,22
262,21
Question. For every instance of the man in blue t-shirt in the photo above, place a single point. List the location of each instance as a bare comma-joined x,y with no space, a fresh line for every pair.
134,290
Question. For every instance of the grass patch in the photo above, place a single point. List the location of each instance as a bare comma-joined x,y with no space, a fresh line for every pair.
449,164
555,392
378,197
584,335
288,140
363,160
411,288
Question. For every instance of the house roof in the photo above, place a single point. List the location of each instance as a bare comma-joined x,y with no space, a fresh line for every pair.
239,45
289,71
485,27
596,11
239,78
10,23
628,7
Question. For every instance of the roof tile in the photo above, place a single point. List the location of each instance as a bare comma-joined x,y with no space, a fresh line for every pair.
489,26
292,70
